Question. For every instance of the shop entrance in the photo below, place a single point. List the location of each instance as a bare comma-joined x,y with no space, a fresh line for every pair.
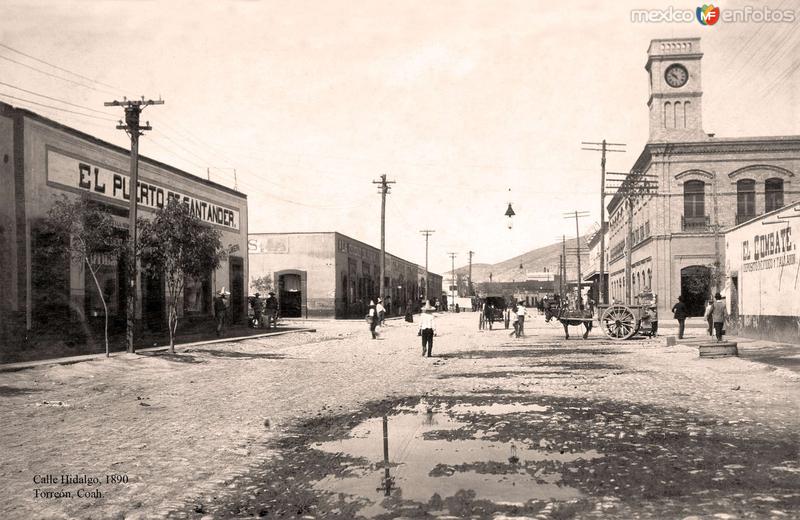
153,315
290,297
695,288
237,288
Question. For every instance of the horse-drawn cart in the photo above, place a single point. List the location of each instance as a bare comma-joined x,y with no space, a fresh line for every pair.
618,321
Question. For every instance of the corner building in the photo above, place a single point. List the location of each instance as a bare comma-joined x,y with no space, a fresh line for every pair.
41,161
332,275
705,185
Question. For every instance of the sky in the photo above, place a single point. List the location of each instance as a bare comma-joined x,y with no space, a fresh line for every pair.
466,105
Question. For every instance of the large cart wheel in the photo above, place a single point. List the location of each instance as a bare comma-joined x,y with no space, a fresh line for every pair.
619,322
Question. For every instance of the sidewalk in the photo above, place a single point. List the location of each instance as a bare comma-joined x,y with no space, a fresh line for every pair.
22,365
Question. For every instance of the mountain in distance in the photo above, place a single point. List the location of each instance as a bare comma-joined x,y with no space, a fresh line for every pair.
534,261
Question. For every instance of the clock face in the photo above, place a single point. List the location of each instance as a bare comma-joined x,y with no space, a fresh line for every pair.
676,75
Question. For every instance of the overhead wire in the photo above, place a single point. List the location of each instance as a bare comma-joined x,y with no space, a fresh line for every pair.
5,46
56,108
56,76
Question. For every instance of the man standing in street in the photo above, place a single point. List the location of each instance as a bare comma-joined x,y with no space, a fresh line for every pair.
220,307
258,310
679,312
381,312
521,311
427,329
719,313
271,305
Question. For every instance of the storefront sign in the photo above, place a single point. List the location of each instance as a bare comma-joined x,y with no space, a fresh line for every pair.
769,250
74,173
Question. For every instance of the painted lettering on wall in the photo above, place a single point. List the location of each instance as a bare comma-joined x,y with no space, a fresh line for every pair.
268,245
769,250
74,173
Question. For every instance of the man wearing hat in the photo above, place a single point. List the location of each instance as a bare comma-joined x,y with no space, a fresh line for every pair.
381,312
719,313
220,307
271,305
427,329
258,310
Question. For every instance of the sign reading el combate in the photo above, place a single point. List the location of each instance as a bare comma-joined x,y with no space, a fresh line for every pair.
74,173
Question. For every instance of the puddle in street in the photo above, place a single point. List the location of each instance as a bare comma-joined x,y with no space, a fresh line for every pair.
423,465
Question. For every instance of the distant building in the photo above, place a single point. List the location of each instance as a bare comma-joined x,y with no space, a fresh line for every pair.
332,275
529,291
705,185
592,276
761,265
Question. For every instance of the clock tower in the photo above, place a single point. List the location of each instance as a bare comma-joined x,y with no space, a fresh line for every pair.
675,90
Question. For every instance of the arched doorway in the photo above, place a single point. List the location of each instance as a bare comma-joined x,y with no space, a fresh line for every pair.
695,288
290,295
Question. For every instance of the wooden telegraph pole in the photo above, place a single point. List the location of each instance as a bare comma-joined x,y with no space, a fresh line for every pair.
576,215
426,233
133,110
383,190
604,147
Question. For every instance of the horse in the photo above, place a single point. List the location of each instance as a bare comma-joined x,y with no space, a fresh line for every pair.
559,315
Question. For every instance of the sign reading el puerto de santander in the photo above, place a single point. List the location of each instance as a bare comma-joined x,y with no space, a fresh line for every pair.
76,173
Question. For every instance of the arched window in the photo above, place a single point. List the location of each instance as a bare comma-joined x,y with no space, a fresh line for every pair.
773,194
679,115
686,105
745,200
669,115
694,207
649,279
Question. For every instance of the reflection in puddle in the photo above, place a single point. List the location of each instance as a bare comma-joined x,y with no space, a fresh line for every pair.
423,466
498,408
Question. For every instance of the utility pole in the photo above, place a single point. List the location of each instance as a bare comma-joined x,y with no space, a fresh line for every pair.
452,277
469,279
383,190
564,266
604,147
576,215
133,110
427,233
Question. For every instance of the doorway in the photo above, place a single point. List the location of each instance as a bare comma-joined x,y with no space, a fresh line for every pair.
153,315
695,288
290,296
237,288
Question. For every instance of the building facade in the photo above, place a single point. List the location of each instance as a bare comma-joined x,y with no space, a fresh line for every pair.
670,238
332,275
42,161
761,266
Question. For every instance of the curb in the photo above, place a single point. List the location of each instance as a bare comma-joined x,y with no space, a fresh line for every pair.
14,367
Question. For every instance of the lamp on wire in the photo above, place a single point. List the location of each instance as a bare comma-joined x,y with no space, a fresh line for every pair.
510,211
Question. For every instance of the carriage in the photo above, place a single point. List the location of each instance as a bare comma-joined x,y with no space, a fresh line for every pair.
617,320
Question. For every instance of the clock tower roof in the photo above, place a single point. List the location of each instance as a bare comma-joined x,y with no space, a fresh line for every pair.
673,49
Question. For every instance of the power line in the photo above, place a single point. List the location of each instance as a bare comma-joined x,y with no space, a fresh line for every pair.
57,67
54,75
56,108
53,99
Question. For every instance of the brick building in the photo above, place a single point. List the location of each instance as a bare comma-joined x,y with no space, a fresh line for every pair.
705,185
41,161
333,275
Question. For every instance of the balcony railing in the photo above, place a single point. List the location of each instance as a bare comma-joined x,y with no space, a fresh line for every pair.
696,224
744,218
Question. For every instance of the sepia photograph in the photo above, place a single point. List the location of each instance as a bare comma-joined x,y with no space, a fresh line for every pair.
399,259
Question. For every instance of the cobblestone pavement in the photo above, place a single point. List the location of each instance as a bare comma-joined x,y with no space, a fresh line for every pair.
207,432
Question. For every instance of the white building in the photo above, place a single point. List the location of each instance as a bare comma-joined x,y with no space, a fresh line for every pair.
763,288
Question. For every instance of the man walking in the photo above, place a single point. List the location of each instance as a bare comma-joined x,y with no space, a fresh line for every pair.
381,312
427,329
679,312
719,314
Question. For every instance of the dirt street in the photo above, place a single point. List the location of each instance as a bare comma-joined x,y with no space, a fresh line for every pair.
490,427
